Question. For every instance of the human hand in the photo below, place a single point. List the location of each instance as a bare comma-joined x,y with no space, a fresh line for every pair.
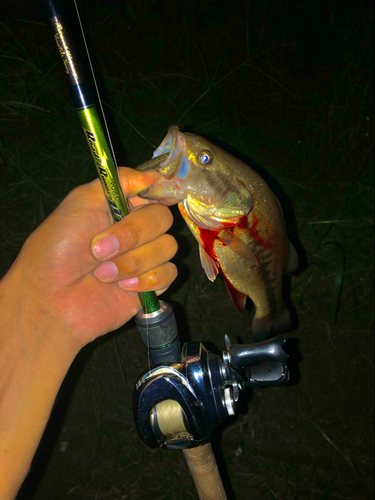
55,279
52,304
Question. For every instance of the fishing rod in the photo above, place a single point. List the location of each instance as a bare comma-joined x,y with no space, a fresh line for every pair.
155,320
179,402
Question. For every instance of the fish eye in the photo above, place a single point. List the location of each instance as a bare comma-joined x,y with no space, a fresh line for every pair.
205,157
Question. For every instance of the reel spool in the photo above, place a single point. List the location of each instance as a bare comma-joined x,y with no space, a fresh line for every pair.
168,420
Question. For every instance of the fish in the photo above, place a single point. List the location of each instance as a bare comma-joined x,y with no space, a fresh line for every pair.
236,219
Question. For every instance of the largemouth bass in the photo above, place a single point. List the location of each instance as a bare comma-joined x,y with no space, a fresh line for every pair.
236,219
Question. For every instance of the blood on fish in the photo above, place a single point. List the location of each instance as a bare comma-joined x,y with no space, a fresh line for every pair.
253,231
208,240
208,237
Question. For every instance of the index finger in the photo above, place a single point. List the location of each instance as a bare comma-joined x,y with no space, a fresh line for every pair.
91,195
133,181
138,227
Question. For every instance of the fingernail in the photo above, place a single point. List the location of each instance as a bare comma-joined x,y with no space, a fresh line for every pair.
106,247
129,283
106,271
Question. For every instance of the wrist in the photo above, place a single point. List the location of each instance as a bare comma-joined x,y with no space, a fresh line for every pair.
28,325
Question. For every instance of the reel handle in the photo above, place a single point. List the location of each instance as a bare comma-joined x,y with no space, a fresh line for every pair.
202,464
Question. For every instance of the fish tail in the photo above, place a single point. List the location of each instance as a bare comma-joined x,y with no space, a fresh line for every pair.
266,327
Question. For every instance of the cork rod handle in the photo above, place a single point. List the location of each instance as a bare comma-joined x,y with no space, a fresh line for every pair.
203,468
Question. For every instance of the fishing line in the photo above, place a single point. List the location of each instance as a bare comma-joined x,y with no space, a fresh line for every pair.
96,86
148,341
99,98
155,320
106,104
134,128
113,152
129,123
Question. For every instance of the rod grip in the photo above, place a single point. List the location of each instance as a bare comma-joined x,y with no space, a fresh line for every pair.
203,468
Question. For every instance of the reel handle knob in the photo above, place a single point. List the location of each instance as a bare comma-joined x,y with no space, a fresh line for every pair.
259,365
267,375
241,356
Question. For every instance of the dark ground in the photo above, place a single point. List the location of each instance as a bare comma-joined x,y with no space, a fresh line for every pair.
288,87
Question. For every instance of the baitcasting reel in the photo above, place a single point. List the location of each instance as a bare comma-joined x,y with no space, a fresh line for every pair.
178,404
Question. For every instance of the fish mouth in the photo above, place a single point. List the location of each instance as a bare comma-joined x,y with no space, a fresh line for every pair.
168,156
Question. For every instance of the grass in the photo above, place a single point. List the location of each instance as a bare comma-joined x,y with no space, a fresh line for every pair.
288,89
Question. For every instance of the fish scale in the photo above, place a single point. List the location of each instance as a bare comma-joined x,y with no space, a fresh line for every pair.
236,219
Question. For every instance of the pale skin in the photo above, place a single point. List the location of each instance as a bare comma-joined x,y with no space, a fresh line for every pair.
55,299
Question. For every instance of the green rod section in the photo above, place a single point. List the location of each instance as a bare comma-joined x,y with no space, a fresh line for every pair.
96,139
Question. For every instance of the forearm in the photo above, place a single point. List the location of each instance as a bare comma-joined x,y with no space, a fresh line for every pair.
33,363
52,304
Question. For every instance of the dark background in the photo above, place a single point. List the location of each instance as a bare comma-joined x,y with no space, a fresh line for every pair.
287,87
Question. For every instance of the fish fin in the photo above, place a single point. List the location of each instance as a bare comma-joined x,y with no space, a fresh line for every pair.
266,327
237,246
208,263
293,261
238,298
